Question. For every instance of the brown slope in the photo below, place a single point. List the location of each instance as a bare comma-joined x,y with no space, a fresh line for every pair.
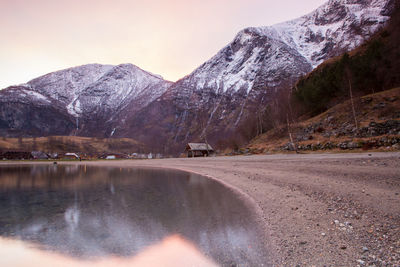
378,118
64,144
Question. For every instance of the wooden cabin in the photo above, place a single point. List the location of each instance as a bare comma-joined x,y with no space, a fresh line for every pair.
198,150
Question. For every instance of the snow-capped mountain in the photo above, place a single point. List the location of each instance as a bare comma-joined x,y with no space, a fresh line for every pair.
335,27
242,77
84,95
92,88
213,101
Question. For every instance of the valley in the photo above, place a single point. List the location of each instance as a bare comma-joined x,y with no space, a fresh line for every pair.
225,101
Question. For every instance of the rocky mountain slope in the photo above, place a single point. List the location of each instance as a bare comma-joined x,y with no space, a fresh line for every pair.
235,84
213,102
83,100
378,127
329,117
369,68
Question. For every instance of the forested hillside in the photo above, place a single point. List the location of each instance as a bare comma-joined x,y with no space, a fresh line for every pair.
371,68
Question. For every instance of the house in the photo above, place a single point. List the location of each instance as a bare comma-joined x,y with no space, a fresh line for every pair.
71,156
53,155
139,156
39,155
110,156
198,150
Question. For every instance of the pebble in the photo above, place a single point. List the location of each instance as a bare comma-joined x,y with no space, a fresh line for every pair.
365,249
364,258
323,234
361,262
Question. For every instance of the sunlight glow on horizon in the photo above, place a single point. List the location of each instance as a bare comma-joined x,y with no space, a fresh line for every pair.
170,38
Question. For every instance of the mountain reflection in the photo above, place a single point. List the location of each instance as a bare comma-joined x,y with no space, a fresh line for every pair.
93,212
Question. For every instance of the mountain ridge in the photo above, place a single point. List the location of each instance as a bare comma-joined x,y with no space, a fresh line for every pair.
83,92
247,73
222,93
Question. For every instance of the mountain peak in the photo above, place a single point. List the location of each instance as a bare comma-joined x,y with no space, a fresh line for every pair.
85,92
240,79
335,27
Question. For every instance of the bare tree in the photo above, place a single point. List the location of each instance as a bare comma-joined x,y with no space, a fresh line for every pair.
20,143
348,74
204,125
52,143
34,144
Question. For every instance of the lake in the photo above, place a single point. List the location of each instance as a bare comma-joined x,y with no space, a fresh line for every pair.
95,212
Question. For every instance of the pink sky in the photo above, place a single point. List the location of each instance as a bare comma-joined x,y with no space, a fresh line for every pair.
166,37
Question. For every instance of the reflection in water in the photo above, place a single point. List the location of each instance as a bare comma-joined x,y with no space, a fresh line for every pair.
91,212
171,252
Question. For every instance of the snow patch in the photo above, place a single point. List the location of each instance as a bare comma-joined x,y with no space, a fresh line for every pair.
36,95
112,132
74,108
306,40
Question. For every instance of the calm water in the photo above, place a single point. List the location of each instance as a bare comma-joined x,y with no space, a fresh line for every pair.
90,212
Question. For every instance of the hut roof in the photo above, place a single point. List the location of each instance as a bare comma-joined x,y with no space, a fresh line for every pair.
39,155
72,155
199,146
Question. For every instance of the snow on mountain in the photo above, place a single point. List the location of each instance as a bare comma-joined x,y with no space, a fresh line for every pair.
242,77
66,85
247,73
23,94
89,88
335,27
88,91
342,24
117,88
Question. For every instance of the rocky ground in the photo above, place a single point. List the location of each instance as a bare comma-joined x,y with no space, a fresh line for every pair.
377,128
317,209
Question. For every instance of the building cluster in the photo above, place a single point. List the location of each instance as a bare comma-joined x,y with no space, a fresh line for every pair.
40,155
191,150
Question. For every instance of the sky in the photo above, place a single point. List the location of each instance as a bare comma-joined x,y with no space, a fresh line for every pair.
166,37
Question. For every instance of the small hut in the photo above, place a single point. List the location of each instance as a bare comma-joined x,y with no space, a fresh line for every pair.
198,150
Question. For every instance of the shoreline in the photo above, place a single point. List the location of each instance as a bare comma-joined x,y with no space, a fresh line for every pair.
316,209
251,204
